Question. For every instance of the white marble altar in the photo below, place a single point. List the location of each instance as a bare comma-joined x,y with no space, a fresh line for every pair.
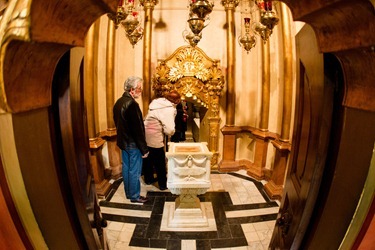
189,168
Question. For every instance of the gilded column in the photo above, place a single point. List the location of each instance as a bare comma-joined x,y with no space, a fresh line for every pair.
261,135
89,76
90,87
148,6
217,84
114,154
274,187
110,73
288,73
265,109
229,131
230,6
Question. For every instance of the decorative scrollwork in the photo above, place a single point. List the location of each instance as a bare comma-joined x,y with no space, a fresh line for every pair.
198,78
190,160
190,72
189,63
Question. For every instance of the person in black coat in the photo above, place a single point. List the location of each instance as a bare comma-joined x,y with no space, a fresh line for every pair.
180,123
131,137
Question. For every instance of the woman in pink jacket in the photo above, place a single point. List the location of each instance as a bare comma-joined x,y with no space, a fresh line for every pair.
158,123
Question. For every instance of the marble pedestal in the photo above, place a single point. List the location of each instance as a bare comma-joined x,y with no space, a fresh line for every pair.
189,169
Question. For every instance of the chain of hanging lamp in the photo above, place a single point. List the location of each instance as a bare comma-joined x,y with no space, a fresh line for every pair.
198,19
263,28
128,16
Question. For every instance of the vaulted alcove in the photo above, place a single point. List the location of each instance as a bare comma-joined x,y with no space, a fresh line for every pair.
37,34
200,81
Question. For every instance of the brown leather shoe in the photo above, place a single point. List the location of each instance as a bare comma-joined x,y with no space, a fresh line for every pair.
141,199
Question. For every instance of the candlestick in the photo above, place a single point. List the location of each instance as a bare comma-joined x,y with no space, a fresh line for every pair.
268,5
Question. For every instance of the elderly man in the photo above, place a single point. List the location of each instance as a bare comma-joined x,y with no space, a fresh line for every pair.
131,137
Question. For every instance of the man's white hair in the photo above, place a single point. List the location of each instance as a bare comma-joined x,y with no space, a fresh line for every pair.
132,82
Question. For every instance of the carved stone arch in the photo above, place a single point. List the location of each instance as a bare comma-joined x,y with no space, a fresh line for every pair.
199,80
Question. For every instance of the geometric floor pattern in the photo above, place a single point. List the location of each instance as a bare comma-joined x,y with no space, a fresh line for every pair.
244,216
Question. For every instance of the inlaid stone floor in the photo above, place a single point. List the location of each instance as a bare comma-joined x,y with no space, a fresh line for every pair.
244,217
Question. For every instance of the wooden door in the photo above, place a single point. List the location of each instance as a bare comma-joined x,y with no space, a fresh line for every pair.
72,125
313,116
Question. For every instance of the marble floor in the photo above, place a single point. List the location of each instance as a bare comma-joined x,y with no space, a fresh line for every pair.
243,214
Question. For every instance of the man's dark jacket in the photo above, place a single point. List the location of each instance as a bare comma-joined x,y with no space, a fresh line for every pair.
129,123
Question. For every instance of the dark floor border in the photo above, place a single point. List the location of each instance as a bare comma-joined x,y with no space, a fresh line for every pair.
229,234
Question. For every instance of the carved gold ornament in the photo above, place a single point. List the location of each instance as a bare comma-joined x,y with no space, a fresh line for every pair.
198,79
191,72
189,63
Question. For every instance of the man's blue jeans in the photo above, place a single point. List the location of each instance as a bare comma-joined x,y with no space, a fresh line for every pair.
131,172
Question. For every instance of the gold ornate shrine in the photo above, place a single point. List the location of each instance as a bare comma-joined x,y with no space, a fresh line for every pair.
199,80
